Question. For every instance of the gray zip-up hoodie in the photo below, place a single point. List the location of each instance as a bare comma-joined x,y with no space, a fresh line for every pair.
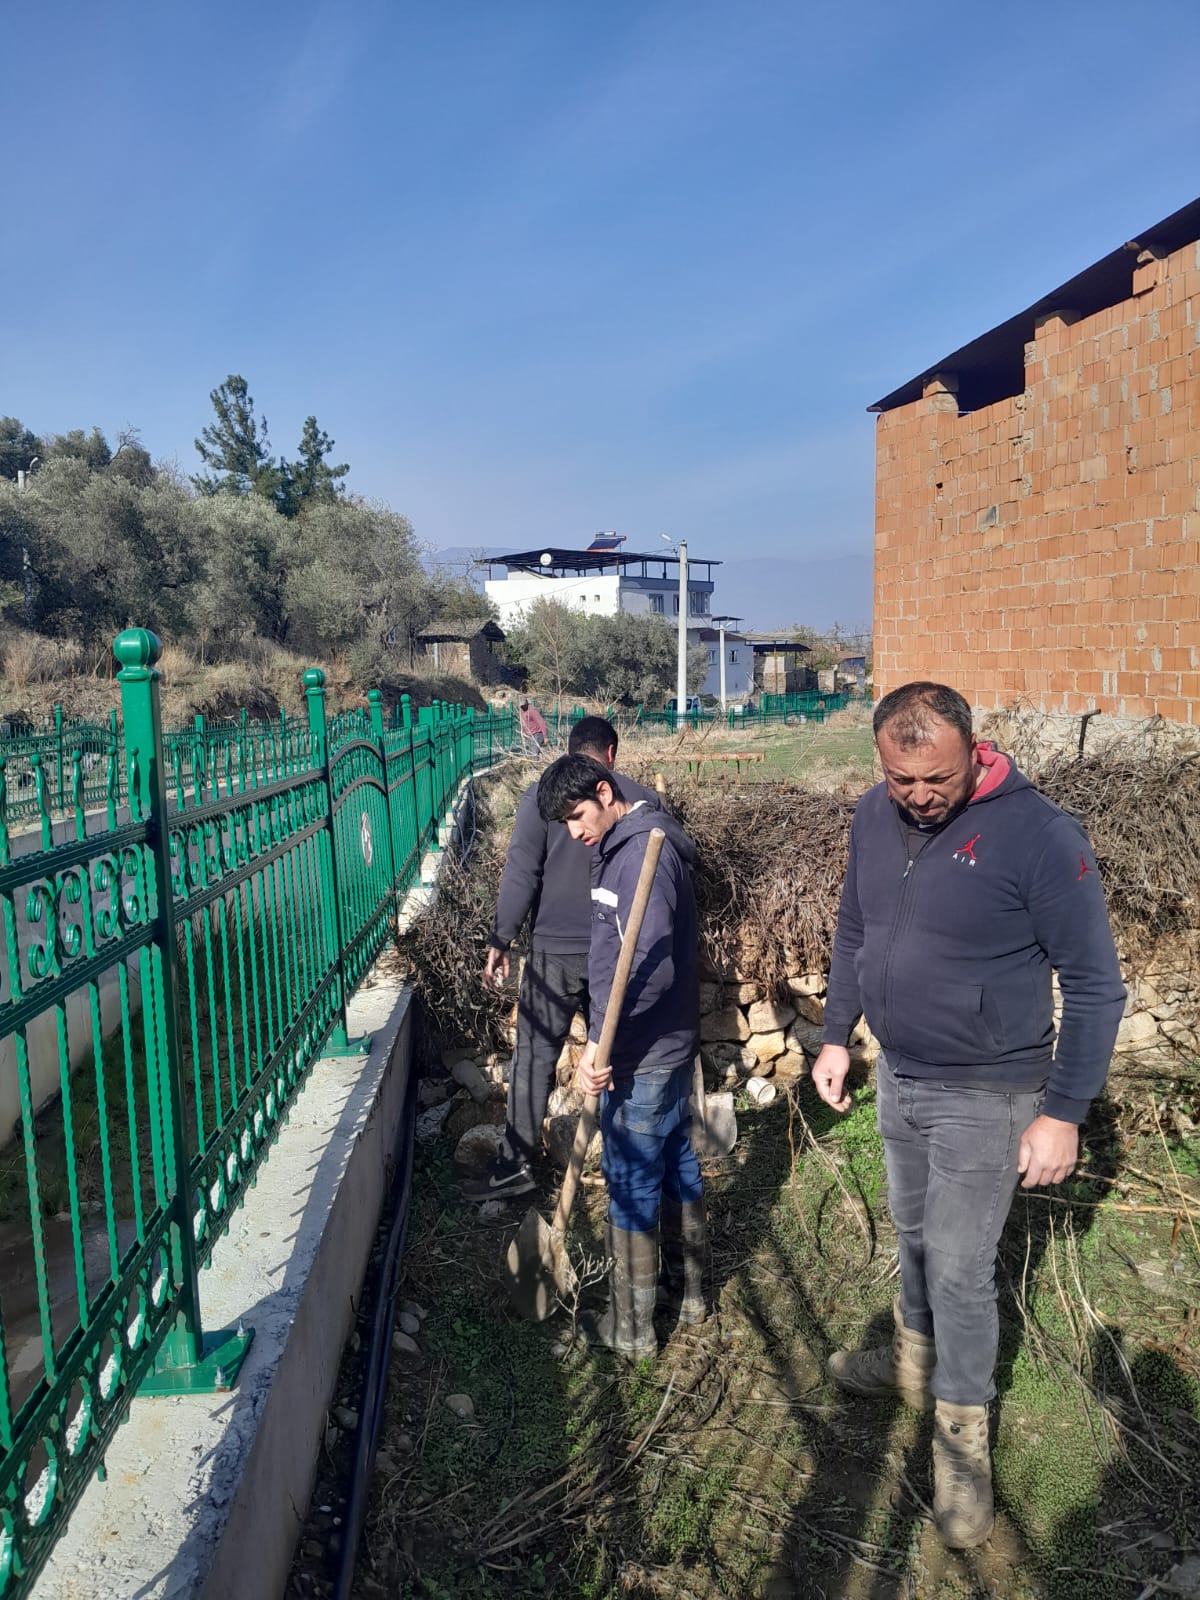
548,878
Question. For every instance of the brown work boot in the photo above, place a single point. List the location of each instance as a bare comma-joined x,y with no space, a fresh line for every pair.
684,1247
902,1367
627,1326
962,1475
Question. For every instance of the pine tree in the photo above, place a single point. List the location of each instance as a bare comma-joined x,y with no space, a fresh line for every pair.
236,446
311,480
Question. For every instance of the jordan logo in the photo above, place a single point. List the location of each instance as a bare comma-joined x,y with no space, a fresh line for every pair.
1084,869
966,852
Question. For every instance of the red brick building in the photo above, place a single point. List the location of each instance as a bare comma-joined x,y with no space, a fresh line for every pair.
1037,523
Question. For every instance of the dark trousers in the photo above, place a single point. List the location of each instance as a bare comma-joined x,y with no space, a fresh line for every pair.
951,1159
553,989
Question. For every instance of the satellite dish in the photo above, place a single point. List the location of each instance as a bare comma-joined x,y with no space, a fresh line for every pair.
546,558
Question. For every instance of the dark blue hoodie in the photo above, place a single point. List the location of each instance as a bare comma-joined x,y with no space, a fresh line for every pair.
660,1020
949,950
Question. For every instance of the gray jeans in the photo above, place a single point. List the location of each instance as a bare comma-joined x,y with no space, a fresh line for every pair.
951,1157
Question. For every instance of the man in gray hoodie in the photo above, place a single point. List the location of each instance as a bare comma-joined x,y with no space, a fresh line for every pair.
547,878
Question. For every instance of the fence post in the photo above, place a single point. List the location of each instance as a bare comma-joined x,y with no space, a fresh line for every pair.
339,1042
189,1362
58,739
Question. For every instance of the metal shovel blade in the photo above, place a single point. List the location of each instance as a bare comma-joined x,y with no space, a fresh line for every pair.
537,1271
717,1134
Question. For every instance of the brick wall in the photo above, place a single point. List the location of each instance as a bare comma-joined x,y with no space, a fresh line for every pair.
1047,547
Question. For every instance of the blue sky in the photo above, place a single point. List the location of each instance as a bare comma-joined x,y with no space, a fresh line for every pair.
543,267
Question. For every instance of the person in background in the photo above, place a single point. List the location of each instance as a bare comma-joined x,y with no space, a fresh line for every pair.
547,879
533,729
965,891
649,1165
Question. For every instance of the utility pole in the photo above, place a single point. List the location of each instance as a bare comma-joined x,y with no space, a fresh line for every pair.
721,647
23,477
681,669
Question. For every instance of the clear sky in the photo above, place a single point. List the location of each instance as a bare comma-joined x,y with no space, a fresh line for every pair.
544,267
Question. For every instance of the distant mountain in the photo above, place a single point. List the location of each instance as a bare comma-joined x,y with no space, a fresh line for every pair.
765,591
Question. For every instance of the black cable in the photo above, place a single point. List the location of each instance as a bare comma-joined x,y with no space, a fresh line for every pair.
379,1353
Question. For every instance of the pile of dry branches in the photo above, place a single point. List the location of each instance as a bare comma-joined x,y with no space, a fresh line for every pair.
1141,807
769,868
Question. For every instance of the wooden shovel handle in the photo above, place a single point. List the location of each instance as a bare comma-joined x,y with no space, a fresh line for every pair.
612,1015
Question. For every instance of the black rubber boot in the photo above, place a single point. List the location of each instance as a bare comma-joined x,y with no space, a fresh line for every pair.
684,1250
627,1326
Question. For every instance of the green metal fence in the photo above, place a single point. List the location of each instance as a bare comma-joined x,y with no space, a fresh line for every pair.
172,975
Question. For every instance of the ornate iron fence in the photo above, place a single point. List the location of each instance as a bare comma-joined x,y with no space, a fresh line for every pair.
170,979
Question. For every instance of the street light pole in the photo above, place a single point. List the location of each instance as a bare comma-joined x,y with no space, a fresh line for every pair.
681,665
721,647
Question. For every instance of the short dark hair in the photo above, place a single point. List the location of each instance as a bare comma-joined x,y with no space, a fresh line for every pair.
569,780
908,713
592,733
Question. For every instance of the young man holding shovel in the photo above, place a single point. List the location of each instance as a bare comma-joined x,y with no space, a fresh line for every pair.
547,879
645,1116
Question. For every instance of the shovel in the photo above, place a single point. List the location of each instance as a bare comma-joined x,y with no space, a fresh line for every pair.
715,1130
537,1270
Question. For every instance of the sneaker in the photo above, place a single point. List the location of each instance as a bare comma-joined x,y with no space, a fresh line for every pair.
506,1177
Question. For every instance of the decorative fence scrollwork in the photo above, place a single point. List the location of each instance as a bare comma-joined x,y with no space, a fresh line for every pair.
178,951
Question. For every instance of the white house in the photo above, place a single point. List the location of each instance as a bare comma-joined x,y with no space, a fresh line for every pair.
603,580
739,665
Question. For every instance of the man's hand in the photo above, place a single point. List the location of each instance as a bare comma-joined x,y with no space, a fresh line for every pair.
1049,1151
591,1081
495,969
829,1076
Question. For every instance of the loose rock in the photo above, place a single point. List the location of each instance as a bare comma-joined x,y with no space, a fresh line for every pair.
404,1345
411,1308
476,1149
409,1324
430,1123
461,1405
345,1417
728,1023
766,1047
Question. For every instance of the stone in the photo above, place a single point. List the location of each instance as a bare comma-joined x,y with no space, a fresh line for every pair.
727,1056
764,1068
567,1058
560,1136
712,997
409,1324
565,1102
728,1023
465,1114
404,1443
477,1148
766,1046
804,1036
865,1052
810,1008
411,1308
386,1463
433,1091
459,1052
345,1417
769,1016
491,1211
468,1076
810,983
742,994
579,1032
430,1123
403,1344
1137,1030
791,1064
462,1406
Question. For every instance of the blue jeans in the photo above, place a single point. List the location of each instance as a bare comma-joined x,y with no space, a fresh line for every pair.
951,1157
645,1122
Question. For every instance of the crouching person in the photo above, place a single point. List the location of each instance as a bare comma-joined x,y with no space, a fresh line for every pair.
651,1171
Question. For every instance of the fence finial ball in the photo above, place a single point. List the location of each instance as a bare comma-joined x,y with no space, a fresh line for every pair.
137,647
314,678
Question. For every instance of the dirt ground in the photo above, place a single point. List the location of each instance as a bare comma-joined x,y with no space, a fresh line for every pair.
729,1466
